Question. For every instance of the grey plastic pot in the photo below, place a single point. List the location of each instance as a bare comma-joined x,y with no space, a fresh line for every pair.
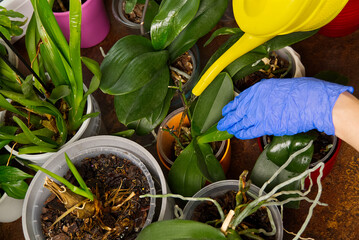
92,146
220,188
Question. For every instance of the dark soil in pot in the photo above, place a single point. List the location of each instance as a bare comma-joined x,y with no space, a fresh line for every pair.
184,64
136,15
63,5
276,67
108,177
206,212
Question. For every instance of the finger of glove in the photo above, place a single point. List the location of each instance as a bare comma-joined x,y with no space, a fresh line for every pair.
233,105
227,122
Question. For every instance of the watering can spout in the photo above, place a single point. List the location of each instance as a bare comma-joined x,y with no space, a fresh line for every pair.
245,44
252,17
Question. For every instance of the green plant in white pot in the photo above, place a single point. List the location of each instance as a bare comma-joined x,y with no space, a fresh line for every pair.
50,105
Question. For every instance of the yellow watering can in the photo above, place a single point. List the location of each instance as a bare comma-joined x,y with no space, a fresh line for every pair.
262,20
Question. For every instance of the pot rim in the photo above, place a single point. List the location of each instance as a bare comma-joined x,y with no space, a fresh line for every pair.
83,148
167,162
220,187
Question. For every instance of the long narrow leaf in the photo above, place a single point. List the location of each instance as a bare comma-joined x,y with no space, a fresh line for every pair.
78,177
69,185
31,136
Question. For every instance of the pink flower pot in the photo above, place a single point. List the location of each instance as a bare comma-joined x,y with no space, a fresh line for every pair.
95,24
345,23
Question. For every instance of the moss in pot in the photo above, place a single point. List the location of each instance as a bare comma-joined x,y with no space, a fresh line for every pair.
104,204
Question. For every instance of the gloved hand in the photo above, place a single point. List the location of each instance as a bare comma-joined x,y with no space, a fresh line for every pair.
282,107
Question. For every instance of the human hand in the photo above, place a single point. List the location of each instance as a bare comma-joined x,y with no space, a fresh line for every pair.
282,107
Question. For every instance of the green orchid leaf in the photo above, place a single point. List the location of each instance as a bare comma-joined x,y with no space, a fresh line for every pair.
78,177
282,147
27,88
152,10
69,185
144,68
31,136
87,116
35,149
208,109
282,41
59,92
5,32
208,15
213,135
127,133
5,137
118,58
141,103
145,125
8,106
75,47
245,65
208,164
130,5
12,174
185,178
172,18
222,31
15,189
50,33
39,132
180,229
264,169
94,67
4,158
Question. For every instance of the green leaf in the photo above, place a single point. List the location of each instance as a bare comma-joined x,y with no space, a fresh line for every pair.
15,189
78,177
59,92
152,10
35,149
172,18
140,71
31,136
129,6
118,58
4,158
222,31
139,104
94,67
27,88
208,164
146,125
12,174
127,133
69,185
208,110
208,15
185,178
213,135
180,229
8,106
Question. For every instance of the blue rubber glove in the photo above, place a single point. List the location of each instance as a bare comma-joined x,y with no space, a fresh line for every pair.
282,107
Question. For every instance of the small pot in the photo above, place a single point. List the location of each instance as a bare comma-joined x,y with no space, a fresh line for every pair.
89,127
95,24
89,147
165,142
292,56
329,159
119,14
219,188
10,208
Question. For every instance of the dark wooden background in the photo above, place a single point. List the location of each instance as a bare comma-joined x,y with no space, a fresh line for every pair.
339,220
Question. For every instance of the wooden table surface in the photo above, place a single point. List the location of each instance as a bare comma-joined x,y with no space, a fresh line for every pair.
340,219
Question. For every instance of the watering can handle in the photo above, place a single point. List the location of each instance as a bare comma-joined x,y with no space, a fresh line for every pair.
245,44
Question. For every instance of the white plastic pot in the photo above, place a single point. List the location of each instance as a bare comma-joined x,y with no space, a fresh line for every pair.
37,194
89,127
10,208
220,188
